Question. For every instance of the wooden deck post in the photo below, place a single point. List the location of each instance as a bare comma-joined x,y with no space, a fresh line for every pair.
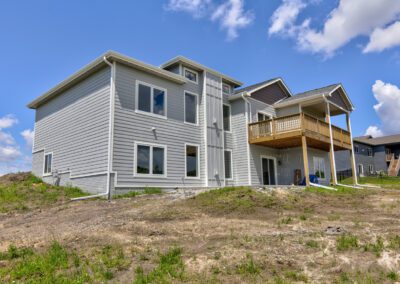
352,157
331,148
305,160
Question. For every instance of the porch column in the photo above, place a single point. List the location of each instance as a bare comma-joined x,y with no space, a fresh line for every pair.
331,148
305,160
352,157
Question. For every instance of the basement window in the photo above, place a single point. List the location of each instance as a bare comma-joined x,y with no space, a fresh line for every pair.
48,163
150,160
319,167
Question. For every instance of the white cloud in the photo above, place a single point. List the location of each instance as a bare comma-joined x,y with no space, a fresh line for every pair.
7,121
28,135
195,7
6,138
283,19
387,109
385,38
231,14
352,18
374,131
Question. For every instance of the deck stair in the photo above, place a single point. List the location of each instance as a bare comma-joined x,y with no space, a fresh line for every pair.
394,167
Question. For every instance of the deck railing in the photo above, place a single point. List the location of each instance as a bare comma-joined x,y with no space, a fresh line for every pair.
296,122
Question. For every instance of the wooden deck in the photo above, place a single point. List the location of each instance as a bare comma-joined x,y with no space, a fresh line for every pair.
287,132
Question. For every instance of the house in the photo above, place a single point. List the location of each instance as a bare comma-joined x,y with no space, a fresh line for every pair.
373,155
120,124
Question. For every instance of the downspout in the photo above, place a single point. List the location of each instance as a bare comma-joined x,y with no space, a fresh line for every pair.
110,135
244,95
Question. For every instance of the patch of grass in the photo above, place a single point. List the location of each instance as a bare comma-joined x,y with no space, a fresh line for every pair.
170,267
303,217
58,265
25,191
296,276
376,247
248,266
340,190
232,200
394,242
312,244
132,194
383,181
346,242
392,275
286,220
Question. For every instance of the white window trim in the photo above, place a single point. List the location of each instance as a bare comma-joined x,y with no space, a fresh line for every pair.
275,168
152,87
197,107
229,86
369,150
263,113
370,168
361,173
44,163
149,175
358,149
191,70
231,178
319,158
198,161
230,118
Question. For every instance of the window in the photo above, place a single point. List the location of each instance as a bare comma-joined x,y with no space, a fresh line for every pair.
360,170
190,108
192,161
191,75
356,149
150,160
227,117
151,99
48,163
228,164
319,167
371,169
261,116
226,88
369,150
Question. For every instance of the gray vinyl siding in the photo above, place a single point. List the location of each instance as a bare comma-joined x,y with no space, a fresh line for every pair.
74,126
215,132
380,163
258,106
294,109
131,127
256,152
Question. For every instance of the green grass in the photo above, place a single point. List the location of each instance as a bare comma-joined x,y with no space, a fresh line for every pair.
31,192
232,200
312,244
147,190
383,181
170,267
248,266
376,247
59,265
346,242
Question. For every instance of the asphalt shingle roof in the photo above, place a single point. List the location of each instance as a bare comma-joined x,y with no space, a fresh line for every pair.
254,86
391,139
315,92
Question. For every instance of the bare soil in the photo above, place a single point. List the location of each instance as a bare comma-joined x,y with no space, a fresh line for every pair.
284,235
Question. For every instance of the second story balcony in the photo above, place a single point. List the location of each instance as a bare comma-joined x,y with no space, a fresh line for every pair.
286,132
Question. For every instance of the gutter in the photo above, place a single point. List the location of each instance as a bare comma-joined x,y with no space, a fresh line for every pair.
110,135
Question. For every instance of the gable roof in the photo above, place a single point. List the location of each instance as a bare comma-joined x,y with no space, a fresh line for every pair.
384,140
99,63
255,87
313,94
198,66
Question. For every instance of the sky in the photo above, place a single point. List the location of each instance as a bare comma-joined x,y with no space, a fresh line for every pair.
309,43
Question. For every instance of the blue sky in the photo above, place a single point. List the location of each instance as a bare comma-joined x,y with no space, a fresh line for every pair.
309,43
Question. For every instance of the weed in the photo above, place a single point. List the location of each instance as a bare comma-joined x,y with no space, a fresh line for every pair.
392,275
394,243
312,244
286,220
147,190
303,217
170,266
295,276
346,242
248,266
376,247
152,190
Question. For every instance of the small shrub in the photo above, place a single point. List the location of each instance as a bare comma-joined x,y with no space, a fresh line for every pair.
392,275
346,242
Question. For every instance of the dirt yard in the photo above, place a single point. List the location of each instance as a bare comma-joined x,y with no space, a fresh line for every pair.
228,236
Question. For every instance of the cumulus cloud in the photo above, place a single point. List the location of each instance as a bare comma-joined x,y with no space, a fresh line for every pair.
230,14
8,121
384,38
283,19
344,23
388,97
28,135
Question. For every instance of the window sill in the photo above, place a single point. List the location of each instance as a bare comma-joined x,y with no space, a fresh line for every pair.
151,114
192,178
149,176
192,124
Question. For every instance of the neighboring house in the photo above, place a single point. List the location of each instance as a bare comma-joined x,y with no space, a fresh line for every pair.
373,155
120,124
